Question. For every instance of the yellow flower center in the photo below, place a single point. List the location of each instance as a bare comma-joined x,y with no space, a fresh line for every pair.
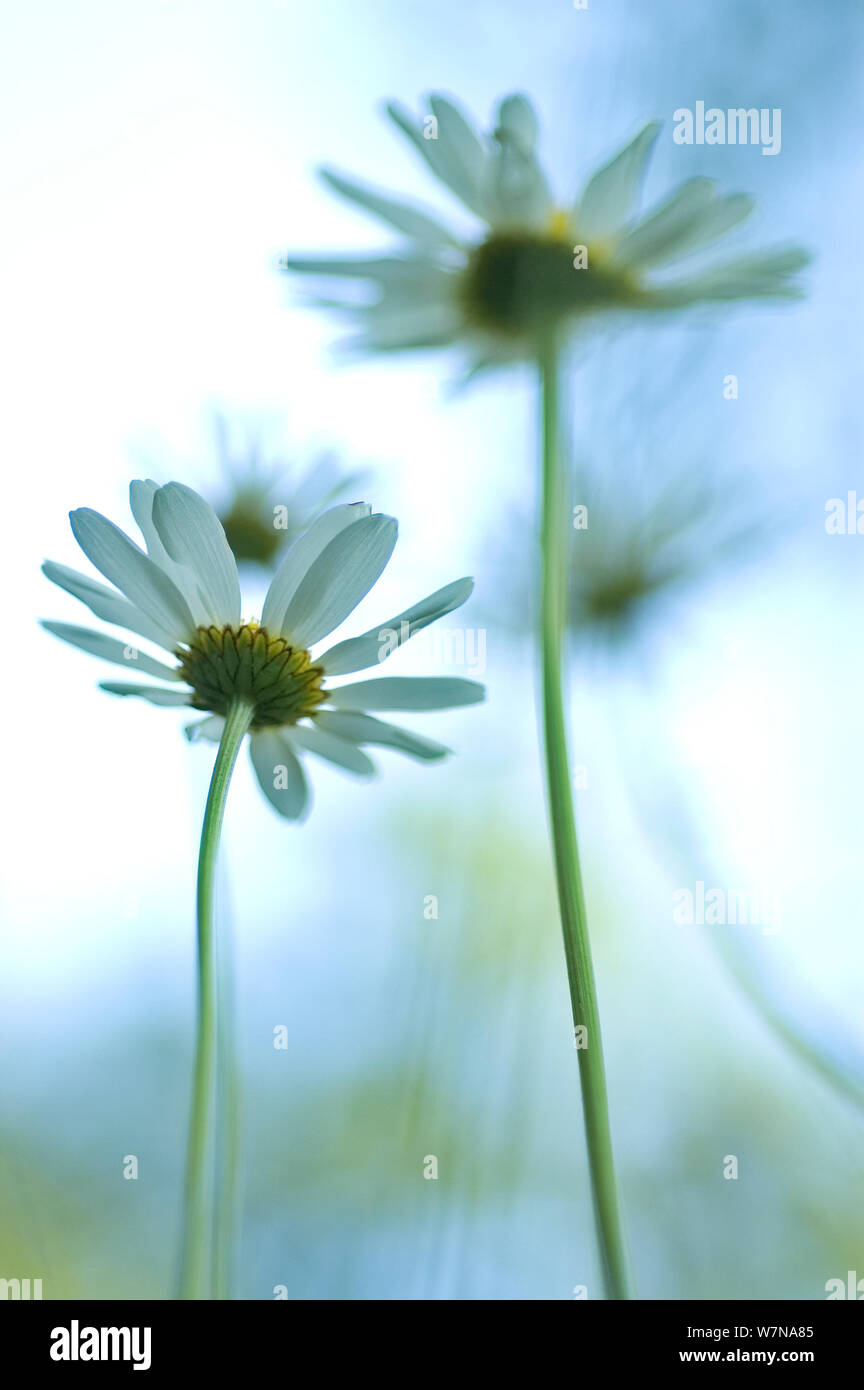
558,226
223,662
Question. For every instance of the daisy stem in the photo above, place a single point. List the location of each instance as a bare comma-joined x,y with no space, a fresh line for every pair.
227,1116
198,1240
554,534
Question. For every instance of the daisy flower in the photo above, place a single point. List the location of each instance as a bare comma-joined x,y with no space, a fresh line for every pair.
182,593
534,263
630,560
263,508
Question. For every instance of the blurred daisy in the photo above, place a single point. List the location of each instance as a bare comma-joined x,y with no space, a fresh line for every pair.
533,263
633,555
262,508
626,564
182,593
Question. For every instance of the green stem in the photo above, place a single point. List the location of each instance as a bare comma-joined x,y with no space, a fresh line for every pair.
227,1117
554,533
197,1233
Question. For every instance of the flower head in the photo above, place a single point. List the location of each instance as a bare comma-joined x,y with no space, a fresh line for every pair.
534,264
261,510
634,553
182,593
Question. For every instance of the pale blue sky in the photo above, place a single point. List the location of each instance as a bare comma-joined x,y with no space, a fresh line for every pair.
156,159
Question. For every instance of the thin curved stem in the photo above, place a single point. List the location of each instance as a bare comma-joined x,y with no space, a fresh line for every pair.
227,1114
554,531
195,1277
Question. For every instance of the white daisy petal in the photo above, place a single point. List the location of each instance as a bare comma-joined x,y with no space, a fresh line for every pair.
302,555
408,692
357,653
107,604
462,156
715,222
410,221
279,774
611,193
193,536
762,276
414,328
427,289
347,267
362,728
141,494
517,122
207,730
719,217
519,197
133,572
153,693
110,649
458,166
341,576
650,239
333,749
399,324
403,275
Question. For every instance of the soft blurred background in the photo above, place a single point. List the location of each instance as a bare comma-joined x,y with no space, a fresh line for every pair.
157,159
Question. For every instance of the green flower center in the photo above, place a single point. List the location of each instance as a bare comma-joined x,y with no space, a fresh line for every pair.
520,284
250,532
224,662
610,598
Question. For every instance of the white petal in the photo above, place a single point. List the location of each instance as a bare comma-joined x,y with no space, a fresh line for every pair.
517,122
707,225
519,196
462,158
279,774
611,193
409,275
207,730
765,275
456,157
650,239
193,536
153,693
302,555
141,494
405,328
374,646
133,572
332,749
110,649
362,728
107,604
410,221
341,576
408,692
